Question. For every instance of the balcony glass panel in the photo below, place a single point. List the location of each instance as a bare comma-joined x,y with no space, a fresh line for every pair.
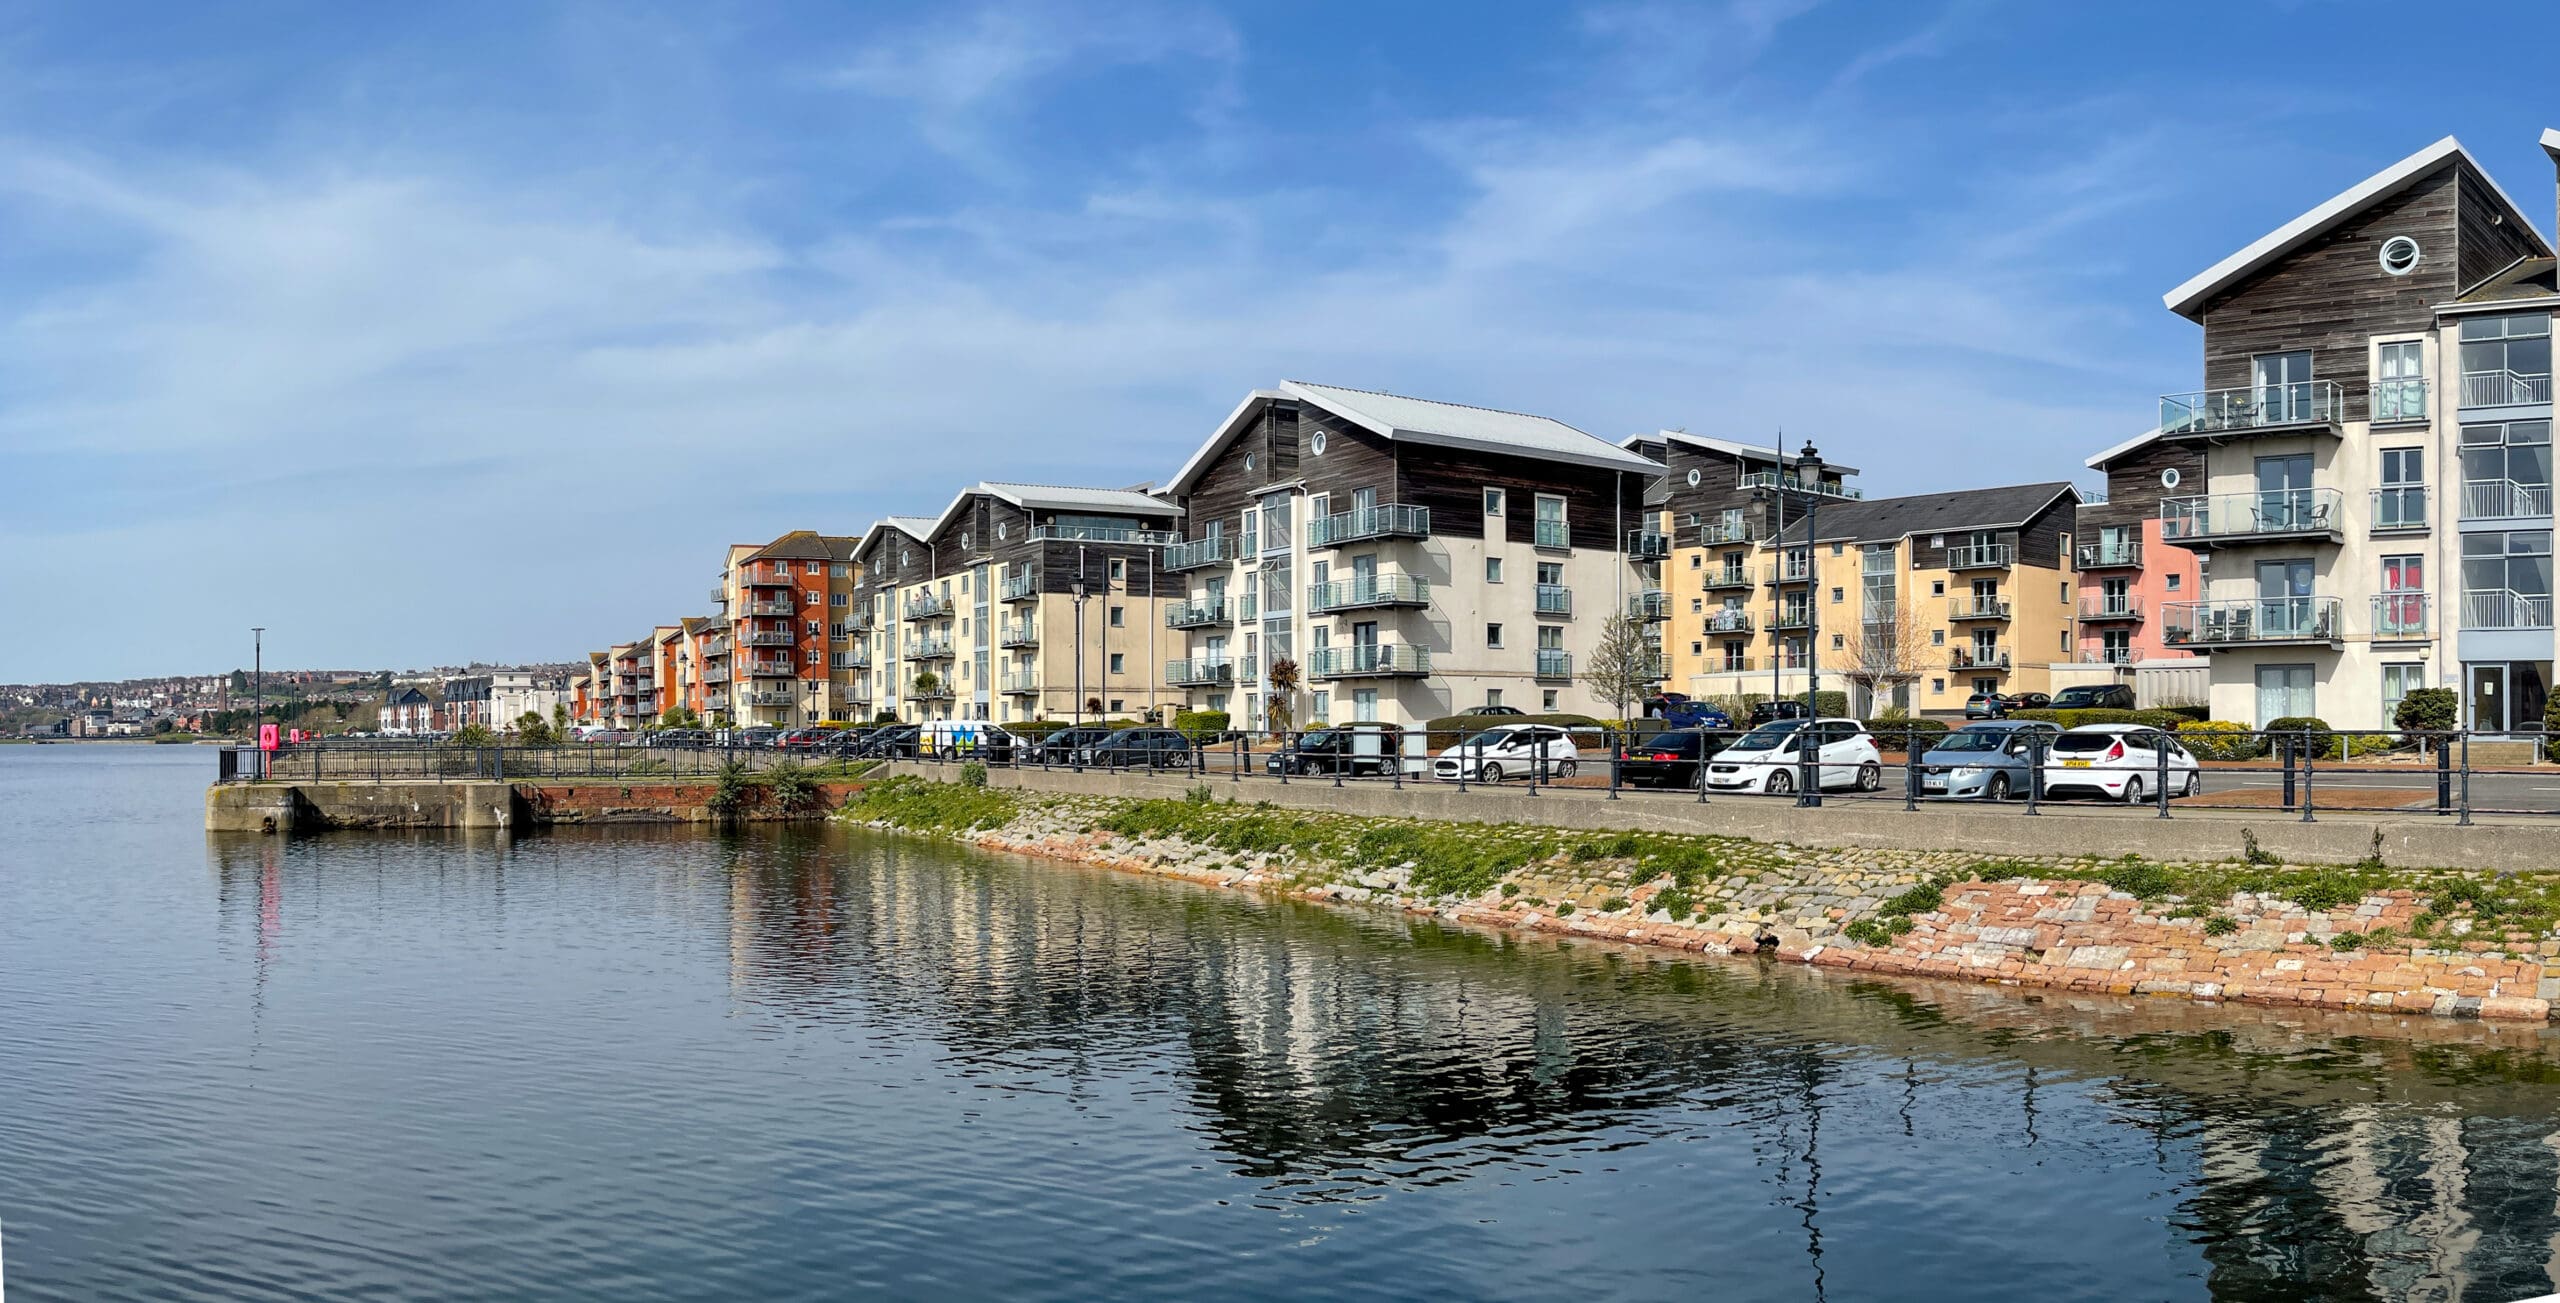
1389,520
2266,619
2251,407
1730,620
2400,615
2239,515
2399,400
1555,663
1555,599
2402,506
2099,556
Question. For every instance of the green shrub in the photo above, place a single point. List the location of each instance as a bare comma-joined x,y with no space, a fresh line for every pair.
791,785
2297,724
973,774
2430,710
1449,730
1198,724
2166,720
1868,932
729,789
1563,907
1922,899
2137,877
1889,731
1675,902
1037,730
1613,904
2220,925
2185,710
2220,739
2551,723
920,804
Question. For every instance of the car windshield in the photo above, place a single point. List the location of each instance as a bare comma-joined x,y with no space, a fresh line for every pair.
2084,742
1318,740
1973,739
1767,737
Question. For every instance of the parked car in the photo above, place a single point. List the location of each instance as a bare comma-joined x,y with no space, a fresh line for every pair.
1990,760
847,742
1353,749
1670,758
888,742
678,739
973,738
1997,705
2095,696
1678,710
1509,751
1141,748
1765,712
1768,759
2120,762
1061,747
760,735
803,739
1493,710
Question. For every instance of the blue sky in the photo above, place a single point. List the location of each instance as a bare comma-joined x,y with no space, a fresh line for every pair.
436,332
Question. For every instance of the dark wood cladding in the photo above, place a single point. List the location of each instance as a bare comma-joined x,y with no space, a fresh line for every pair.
2331,295
2134,490
1226,488
1600,504
2493,235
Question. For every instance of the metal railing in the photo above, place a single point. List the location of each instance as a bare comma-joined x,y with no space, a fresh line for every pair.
1772,480
1210,551
2271,512
768,638
767,608
1373,590
1555,599
2110,656
1647,545
2252,407
2504,499
2400,506
2401,616
761,577
2251,620
719,596
1366,659
1650,606
1728,620
929,649
2398,400
1978,658
1714,532
1198,613
1019,588
1102,534
1977,608
1792,617
927,607
2104,556
1980,556
2498,608
2504,388
2111,606
1024,634
1387,520
1198,671
1550,534
1794,571
1018,684
1727,577
766,667
1554,663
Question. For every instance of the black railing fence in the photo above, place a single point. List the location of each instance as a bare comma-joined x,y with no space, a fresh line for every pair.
2455,774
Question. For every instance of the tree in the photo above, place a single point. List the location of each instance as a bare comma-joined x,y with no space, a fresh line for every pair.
533,730
679,717
473,735
239,680
560,718
1627,665
927,681
1280,704
1881,655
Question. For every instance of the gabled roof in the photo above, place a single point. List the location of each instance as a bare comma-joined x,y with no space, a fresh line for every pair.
804,545
2525,278
1885,520
2098,460
919,528
1054,497
1426,421
2188,299
1731,447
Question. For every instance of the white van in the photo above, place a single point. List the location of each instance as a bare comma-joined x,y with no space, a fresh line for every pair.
964,739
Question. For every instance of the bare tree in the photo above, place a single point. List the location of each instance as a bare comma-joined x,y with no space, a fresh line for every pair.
1626,666
1881,654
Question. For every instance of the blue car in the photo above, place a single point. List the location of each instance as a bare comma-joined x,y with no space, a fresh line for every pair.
1678,711
1987,761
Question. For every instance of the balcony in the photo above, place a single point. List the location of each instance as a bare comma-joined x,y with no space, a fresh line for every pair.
1977,608
1981,656
930,649
1727,577
1716,532
2401,507
1378,590
1550,534
1025,634
1248,608
767,638
1732,619
768,667
1368,660
2107,556
1019,588
858,659
1652,606
1735,665
2399,402
2504,499
2217,414
1792,617
763,577
715,648
1822,488
719,596
1103,534
860,694
938,692
715,701
1196,614
2401,617
1215,550
2215,520
1647,545
1555,599
2498,608
926,606
2260,622
1018,684
2504,388
767,698
1392,520
2110,656
1981,556
769,609
1554,663
1200,671
2111,606
1796,571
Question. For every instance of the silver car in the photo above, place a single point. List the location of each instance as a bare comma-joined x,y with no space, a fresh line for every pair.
1985,761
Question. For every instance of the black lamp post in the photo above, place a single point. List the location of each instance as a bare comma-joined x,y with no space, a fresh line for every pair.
1809,474
1778,590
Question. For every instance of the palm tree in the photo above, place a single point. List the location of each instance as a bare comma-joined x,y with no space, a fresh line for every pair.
1281,704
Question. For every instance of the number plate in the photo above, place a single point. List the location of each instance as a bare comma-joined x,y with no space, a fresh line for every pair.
1933,784
2075,764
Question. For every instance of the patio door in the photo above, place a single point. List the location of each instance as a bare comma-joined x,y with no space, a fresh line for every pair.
2399,387
2284,598
2283,382
2402,612
2489,697
2284,492
1364,578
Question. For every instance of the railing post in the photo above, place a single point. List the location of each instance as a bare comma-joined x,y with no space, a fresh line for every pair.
1910,767
2465,820
2444,777
2307,758
1537,765
1282,750
2035,771
1238,775
1617,757
2284,755
2162,794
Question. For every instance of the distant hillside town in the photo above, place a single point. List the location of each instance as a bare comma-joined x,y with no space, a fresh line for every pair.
438,700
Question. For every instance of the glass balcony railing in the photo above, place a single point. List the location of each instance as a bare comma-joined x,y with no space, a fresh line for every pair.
1978,608
1792,617
1980,556
1248,607
1018,683
1103,534
1979,656
1651,606
1550,533
1554,663
2504,388
1025,634
2504,499
929,649
2400,615
2400,506
2111,606
1371,590
1364,659
1555,599
1391,520
1729,620
2498,608
928,607
2250,620
2255,407
2271,513
1191,673
1019,588
1823,488
2109,656
1723,531
2399,401
1200,552
1196,614
1647,545
1728,577
2107,556
1792,571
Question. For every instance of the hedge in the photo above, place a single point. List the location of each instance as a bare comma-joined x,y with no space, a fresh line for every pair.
2167,720
1827,703
2220,739
1889,730
1449,730
1197,724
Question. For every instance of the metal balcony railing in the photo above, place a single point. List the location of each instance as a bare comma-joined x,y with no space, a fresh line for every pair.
1555,599
2498,608
930,649
2111,606
1198,671
1978,657
719,596
2504,499
1647,545
1554,663
858,659
2399,401
767,638
1378,590
2250,620
766,667
2401,616
2400,506
2109,656
1977,608
771,608
1018,684
1728,577
766,577
1200,552
1019,588
1248,607
1366,659
1103,534
927,607
1025,634
2271,513
1650,606
1794,571
2252,407
1715,532
1792,617
1772,479
1550,533
938,692
715,647
1728,620
2504,388
1388,520
1981,556
768,698
2106,556
1735,665
1197,614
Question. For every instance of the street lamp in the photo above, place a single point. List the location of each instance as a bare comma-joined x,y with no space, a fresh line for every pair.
1809,474
1080,592
1777,591
258,691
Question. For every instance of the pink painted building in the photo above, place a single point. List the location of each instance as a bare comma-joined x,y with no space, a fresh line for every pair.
2126,573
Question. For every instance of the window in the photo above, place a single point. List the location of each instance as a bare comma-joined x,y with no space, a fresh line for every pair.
1119,569
1493,635
1551,530
1493,504
1839,642
2401,502
2506,580
1547,701
2506,360
2399,382
1316,444
1493,696
2397,680
1116,707
2506,470
1937,637
2285,690
836,599
964,540
1493,570
1835,597
1118,662
2399,256
1119,617
1937,685
2401,609
1937,588
2173,585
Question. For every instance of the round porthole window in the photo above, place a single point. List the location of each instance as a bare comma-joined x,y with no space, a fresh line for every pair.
1317,443
1248,461
1695,478
2169,478
2399,255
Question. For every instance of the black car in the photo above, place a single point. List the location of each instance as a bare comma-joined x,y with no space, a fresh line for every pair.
1493,710
1353,749
762,735
1670,758
1141,748
2095,696
1767,712
848,742
893,742
1061,747
684,739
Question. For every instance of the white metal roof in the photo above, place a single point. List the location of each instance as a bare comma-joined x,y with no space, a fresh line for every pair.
1734,447
1048,497
2098,460
2187,298
1421,420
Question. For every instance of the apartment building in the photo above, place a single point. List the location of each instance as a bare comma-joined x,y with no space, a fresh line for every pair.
784,606
496,699
1412,558
706,658
2129,574
667,665
634,682
1719,502
2394,338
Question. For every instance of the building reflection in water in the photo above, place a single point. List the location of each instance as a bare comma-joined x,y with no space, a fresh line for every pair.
1333,1055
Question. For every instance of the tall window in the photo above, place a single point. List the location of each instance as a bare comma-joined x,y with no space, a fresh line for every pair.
2506,580
2399,382
2506,360
2401,502
2506,470
2401,610
2283,382
1550,524
2397,680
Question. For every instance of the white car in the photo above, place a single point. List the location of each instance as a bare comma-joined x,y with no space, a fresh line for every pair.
2119,762
1510,751
1766,759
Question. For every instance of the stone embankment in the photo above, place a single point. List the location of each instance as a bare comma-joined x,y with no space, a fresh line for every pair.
2364,936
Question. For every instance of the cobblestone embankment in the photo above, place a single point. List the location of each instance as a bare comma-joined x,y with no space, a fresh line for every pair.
2444,943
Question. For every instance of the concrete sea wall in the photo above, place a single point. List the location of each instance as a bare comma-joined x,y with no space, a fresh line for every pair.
315,807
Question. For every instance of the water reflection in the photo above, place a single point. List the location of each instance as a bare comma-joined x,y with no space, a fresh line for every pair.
1335,1059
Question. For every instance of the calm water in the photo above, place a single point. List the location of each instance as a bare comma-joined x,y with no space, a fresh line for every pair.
808,1064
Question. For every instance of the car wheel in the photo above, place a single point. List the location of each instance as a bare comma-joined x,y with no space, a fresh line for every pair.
1998,788
2133,791
1489,774
1781,783
1870,777
2195,784
1564,769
